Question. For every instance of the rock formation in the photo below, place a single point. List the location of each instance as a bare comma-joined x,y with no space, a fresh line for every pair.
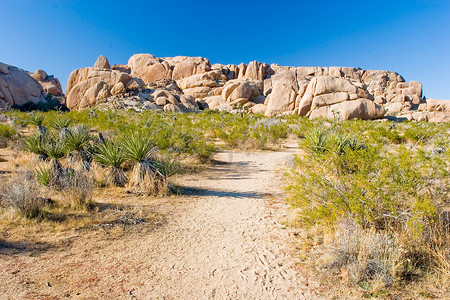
18,87
187,83
50,84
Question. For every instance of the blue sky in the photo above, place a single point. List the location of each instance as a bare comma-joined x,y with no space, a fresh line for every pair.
409,37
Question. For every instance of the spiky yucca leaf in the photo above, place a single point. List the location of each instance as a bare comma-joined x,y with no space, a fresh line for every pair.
344,142
77,138
137,147
36,118
109,153
35,143
55,149
167,166
43,174
317,141
60,122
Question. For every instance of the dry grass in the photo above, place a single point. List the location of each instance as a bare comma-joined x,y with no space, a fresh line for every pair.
79,190
53,214
108,216
146,180
373,264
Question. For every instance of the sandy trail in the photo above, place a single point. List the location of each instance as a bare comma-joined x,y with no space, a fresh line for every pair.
223,240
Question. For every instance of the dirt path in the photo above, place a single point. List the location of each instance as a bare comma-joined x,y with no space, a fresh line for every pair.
223,240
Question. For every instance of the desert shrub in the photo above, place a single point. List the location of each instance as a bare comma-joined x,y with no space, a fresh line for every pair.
265,131
388,192
6,133
388,133
110,154
78,190
376,190
202,149
420,132
21,194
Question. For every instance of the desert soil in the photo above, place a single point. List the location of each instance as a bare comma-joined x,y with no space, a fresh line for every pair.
222,239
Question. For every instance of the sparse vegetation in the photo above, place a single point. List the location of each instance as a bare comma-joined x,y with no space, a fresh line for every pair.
374,199
6,133
78,190
369,195
21,194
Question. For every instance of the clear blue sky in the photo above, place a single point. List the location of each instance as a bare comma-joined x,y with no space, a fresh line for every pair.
410,37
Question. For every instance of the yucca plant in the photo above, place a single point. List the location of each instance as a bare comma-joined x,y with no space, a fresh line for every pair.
317,141
36,118
167,166
55,149
35,143
146,176
77,140
109,153
345,141
43,175
60,122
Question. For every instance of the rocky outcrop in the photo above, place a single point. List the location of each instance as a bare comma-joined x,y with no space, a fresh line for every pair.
284,93
87,87
193,83
50,84
19,88
149,68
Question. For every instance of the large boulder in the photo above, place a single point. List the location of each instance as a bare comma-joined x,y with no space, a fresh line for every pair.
329,84
201,85
284,93
354,109
18,87
86,87
235,89
437,105
50,84
255,71
148,67
328,90
184,66
213,102
102,63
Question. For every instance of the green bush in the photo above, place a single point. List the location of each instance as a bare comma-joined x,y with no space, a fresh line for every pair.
372,188
7,133
389,192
